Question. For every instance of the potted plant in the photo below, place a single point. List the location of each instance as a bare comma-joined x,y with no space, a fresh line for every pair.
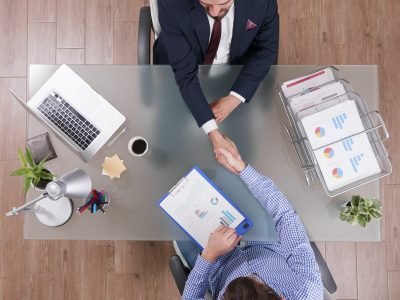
34,174
360,210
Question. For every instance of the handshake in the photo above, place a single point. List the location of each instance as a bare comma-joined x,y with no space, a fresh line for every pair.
226,152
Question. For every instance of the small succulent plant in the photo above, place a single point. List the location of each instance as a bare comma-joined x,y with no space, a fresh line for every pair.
34,174
361,211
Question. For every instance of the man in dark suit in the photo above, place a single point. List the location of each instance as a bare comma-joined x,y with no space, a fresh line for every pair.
236,32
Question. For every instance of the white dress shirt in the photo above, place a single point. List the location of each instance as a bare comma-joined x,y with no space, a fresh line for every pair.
222,56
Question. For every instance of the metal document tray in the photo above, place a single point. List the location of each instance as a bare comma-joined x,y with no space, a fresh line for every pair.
374,129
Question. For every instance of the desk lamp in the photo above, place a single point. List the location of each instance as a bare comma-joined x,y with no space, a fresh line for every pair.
54,208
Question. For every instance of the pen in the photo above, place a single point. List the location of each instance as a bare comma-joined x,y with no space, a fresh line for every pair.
118,135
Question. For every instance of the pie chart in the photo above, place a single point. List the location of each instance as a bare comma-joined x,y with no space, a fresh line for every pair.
328,152
319,131
337,173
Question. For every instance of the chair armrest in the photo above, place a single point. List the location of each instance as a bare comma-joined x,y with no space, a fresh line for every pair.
327,278
179,272
144,32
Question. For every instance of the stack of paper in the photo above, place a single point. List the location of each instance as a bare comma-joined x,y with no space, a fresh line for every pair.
350,157
304,83
318,95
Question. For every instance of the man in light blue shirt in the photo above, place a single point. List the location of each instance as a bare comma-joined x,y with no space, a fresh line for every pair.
285,269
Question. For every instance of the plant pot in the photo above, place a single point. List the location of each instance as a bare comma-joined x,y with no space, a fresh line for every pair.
41,186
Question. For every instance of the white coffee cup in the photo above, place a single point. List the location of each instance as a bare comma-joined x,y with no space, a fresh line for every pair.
138,146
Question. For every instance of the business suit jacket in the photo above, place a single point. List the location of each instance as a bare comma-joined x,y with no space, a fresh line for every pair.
184,38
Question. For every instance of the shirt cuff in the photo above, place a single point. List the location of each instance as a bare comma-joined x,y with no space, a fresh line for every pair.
209,126
249,174
202,266
237,96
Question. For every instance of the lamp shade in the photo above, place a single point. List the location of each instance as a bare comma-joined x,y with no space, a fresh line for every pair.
73,184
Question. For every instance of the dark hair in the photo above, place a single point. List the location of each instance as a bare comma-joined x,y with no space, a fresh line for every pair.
250,289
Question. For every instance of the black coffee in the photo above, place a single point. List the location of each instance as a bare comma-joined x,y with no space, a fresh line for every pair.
139,147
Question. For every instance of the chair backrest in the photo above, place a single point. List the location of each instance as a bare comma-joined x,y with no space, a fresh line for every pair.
154,18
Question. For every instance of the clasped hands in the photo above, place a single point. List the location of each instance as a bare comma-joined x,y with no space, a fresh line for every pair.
221,109
223,239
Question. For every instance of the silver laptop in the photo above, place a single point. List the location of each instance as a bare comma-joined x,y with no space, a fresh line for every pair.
79,116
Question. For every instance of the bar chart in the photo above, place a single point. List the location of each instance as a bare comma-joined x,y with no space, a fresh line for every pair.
227,218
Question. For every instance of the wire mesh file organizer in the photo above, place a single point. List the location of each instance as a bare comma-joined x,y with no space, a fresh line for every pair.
340,162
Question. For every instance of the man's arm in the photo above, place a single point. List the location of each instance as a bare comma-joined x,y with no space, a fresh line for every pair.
293,238
264,52
183,62
220,243
294,242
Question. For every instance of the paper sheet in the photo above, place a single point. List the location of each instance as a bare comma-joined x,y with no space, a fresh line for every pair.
317,96
349,159
300,84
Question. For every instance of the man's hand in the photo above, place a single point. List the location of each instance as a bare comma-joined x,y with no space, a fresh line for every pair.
220,242
220,141
224,106
234,162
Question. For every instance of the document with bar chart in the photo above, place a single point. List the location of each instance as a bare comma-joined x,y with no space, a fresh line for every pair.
198,206
351,157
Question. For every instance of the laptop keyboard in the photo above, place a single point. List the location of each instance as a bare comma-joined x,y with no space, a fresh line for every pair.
68,120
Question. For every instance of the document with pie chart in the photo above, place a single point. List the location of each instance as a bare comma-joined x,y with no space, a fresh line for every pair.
343,157
198,206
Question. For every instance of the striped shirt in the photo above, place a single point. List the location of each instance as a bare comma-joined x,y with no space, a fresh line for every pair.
288,265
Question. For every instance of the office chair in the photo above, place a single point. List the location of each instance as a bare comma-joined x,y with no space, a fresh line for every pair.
148,24
181,273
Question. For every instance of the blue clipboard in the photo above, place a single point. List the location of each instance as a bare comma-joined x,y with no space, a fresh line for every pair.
228,216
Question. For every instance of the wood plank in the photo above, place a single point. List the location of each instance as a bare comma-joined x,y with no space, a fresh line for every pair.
361,34
392,226
322,248
304,41
45,286
42,43
390,112
125,286
14,270
125,42
73,269
45,256
99,32
42,10
70,56
13,29
304,9
389,8
129,257
339,257
11,142
127,10
394,286
70,23
284,31
157,274
147,265
371,271
11,189
98,260
388,45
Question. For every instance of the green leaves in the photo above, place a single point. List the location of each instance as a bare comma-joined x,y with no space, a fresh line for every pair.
360,211
32,172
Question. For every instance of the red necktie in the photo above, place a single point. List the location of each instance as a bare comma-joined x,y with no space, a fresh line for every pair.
214,42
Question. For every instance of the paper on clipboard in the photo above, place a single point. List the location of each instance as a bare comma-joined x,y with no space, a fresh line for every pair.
198,207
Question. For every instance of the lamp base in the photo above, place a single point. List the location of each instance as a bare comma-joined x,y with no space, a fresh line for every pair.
54,213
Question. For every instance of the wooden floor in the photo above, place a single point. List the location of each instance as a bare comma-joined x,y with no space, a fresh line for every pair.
105,32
